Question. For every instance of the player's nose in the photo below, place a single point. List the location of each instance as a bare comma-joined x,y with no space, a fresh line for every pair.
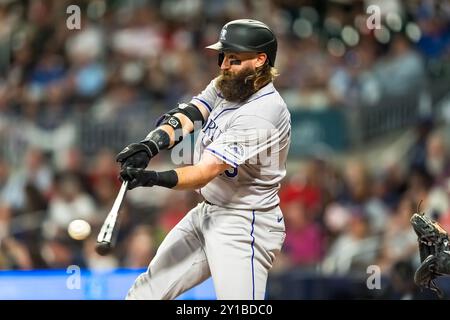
225,64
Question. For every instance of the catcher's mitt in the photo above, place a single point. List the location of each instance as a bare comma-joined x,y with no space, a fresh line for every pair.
434,252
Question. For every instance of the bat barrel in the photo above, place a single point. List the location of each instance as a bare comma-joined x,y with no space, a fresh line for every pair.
108,233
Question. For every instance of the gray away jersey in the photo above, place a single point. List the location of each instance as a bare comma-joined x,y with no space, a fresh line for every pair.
253,137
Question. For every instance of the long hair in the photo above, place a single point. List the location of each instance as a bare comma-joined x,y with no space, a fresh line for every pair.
263,75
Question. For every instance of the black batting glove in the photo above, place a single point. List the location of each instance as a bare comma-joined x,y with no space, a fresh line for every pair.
138,177
135,155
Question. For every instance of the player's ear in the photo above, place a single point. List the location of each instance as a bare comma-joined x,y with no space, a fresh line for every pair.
260,59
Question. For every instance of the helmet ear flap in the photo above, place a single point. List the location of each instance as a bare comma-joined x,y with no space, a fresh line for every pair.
221,57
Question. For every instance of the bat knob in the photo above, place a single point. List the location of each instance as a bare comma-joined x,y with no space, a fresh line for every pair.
103,248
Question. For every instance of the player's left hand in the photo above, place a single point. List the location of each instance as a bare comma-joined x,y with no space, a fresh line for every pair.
138,177
136,155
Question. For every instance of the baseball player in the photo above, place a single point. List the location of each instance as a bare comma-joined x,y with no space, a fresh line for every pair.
234,235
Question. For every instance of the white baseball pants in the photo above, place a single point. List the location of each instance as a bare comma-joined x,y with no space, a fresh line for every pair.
236,247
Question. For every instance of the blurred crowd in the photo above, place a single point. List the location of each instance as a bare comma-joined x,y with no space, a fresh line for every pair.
131,60
342,219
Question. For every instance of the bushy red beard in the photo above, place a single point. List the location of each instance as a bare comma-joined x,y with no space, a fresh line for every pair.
236,87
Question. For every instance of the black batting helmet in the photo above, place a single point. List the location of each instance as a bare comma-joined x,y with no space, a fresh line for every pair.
246,35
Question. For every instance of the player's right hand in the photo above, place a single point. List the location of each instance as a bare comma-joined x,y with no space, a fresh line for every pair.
135,155
138,177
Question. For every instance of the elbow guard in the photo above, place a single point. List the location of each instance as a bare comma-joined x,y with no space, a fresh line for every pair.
189,110
175,123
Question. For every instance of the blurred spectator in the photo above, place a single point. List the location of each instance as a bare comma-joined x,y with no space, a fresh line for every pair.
336,218
306,187
358,192
418,152
311,79
354,250
435,39
173,210
402,286
69,202
437,160
140,248
389,184
5,221
102,178
142,37
304,241
4,175
35,171
399,241
353,83
60,252
434,199
105,192
48,70
402,70
15,255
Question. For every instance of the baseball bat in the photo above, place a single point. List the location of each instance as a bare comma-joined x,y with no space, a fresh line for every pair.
108,233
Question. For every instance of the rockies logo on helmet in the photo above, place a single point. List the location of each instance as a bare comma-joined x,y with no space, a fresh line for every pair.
223,33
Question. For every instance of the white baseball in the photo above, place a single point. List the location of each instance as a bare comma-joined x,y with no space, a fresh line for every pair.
79,229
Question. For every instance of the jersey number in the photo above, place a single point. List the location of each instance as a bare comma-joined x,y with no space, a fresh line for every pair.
231,174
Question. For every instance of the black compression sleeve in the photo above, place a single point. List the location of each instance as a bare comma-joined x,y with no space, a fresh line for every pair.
168,179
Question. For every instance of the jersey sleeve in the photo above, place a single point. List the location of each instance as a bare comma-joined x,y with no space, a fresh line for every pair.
207,97
248,139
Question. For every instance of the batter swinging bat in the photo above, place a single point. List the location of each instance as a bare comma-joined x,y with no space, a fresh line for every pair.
107,236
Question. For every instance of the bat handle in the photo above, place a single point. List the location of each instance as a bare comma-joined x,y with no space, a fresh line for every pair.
103,248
